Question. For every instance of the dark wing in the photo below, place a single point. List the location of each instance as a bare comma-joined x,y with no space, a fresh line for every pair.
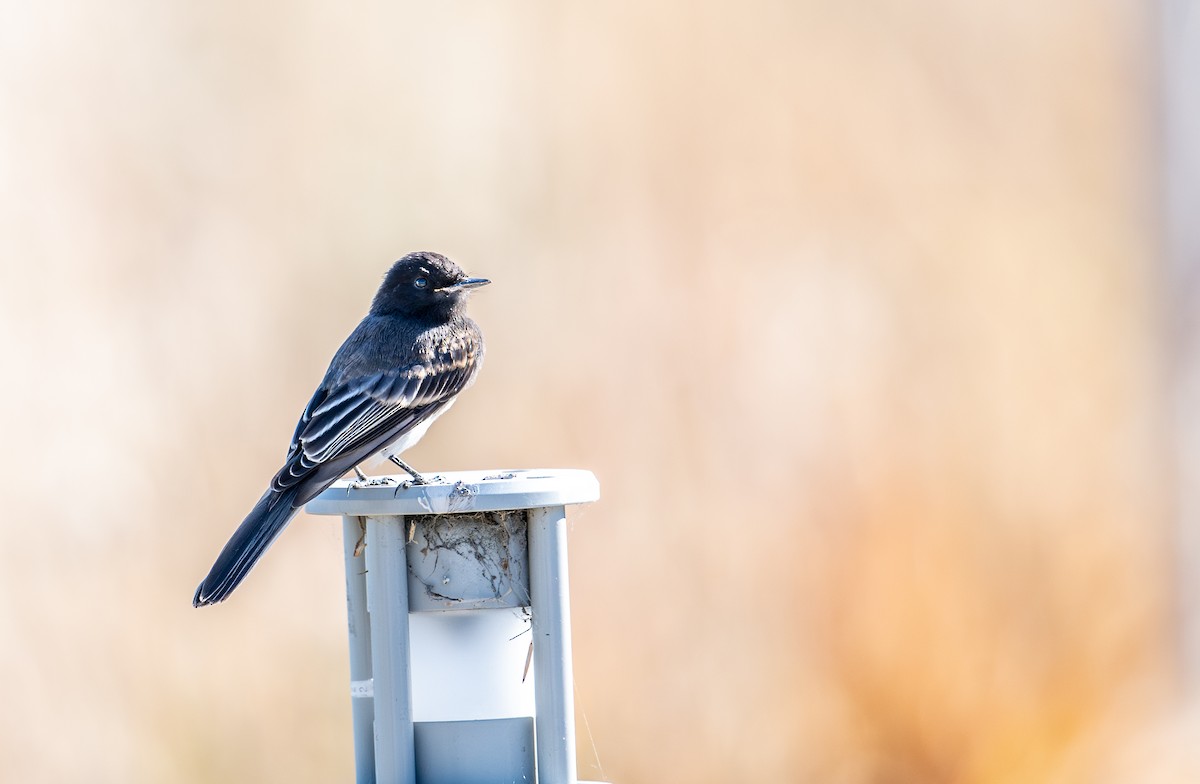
341,426
344,425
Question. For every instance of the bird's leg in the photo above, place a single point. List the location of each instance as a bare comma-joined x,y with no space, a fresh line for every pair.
367,481
417,479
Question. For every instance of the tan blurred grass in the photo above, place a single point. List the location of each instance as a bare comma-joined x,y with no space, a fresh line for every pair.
850,307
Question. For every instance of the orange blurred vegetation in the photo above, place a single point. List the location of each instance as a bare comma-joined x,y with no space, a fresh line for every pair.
852,308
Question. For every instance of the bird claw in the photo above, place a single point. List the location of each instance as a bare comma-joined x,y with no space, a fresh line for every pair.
421,481
372,481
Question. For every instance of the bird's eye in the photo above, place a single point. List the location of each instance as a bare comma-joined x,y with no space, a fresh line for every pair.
421,283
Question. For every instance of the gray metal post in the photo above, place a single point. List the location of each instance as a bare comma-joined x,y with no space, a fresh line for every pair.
362,702
555,681
387,603
440,580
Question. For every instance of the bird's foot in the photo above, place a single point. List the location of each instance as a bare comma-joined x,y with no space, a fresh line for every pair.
368,481
410,483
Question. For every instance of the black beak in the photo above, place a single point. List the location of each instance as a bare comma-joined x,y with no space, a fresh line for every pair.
465,284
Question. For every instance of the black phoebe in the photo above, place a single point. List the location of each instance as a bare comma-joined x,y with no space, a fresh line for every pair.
401,368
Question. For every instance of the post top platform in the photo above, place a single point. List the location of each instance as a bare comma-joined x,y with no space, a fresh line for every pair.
458,492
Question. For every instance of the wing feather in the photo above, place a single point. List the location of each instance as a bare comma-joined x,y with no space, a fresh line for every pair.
344,425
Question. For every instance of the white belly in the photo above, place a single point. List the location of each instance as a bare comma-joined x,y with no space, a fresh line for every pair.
407,440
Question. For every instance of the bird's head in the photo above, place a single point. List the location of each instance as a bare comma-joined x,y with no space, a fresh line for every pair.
424,285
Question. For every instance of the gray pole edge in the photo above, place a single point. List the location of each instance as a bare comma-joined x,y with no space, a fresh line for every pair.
387,602
362,700
554,681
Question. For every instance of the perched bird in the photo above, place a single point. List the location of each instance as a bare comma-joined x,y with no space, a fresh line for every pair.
400,369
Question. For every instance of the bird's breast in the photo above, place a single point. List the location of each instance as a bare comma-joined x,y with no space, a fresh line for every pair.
410,438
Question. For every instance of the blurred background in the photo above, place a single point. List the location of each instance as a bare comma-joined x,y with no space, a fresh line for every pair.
857,310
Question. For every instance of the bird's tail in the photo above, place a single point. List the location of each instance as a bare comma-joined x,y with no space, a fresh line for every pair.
265,522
